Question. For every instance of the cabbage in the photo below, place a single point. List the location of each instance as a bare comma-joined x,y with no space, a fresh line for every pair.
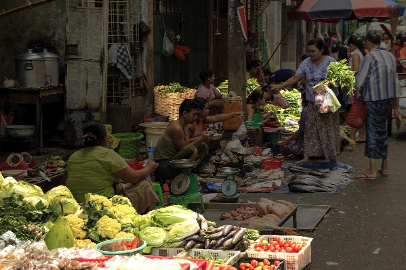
6,191
143,221
38,202
154,236
58,191
27,190
70,206
165,217
182,230
6,181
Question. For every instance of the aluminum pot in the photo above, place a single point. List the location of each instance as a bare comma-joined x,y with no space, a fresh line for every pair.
30,69
51,69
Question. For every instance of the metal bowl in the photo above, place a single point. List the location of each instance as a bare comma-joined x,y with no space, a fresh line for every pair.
184,163
228,170
21,131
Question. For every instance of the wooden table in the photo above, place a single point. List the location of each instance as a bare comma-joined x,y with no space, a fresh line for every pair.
36,96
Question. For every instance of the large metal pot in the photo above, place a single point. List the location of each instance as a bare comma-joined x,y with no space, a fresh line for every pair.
30,69
51,67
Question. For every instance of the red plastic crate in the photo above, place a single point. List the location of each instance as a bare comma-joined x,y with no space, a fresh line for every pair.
272,163
201,264
135,164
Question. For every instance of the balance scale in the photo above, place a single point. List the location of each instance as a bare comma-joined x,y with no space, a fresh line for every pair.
229,188
184,187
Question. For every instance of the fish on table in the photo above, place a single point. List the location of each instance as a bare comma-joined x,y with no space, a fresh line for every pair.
309,183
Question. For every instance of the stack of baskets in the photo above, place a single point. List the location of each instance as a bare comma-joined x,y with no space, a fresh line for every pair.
129,146
168,103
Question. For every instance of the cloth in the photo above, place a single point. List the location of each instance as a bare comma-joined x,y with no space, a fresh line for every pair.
376,146
197,128
322,133
119,56
209,95
302,122
293,148
383,45
164,148
281,75
377,75
314,75
142,195
402,57
165,171
91,170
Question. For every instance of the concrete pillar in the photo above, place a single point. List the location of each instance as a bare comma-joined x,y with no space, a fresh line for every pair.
236,53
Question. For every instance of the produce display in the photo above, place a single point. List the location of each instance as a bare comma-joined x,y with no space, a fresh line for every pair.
259,264
279,245
122,245
174,87
252,84
286,116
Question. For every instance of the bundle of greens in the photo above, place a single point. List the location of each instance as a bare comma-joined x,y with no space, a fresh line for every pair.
252,84
340,75
174,87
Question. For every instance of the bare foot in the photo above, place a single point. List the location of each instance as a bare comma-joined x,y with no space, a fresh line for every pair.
305,159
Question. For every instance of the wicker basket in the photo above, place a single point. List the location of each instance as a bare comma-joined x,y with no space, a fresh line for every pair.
168,103
129,146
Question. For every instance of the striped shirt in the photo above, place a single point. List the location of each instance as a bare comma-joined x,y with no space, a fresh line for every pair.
377,74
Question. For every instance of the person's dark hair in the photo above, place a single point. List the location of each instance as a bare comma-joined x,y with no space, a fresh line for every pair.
304,56
187,106
357,42
253,64
373,37
206,74
334,47
319,45
255,96
93,133
342,53
201,102
267,72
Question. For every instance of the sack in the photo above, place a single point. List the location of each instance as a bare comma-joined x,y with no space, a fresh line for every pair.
17,162
142,196
358,114
280,101
167,46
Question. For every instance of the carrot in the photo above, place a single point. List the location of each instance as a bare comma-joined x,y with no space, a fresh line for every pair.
134,243
224,267
210,265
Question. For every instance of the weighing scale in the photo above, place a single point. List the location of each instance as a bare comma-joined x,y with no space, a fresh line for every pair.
230,184
242,153
184,187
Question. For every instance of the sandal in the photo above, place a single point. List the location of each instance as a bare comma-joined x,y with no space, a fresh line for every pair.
365,176
383,173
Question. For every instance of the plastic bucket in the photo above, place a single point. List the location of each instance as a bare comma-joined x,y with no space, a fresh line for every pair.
271,137
153,132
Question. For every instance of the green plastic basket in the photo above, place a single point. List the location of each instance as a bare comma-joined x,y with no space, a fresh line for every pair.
124,252
252,124
129,146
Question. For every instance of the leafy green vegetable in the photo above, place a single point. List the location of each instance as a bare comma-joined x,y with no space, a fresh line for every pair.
252,84
118,199
340,75
154,236
16,226
70,206
27,190
294,111
174,87
182,230
165,217
38,202
57,191
251,234
16,206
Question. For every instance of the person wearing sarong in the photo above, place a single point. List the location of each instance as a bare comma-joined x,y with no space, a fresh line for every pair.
322,132
378,78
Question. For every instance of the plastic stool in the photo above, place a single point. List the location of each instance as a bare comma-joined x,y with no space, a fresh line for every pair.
158,189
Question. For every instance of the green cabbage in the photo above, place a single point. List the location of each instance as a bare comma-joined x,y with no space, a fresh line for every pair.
6,191
143,221
38,202
182,230
27,190
58,191
70,206
154,236
6,181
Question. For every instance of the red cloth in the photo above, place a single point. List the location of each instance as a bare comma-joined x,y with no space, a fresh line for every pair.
179,51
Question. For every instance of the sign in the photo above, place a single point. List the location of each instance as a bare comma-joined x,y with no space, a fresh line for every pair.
243,21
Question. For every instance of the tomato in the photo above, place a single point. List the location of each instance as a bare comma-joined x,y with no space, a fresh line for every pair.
282,243
265,248
261,264
298,249
242,266
289,249
273,242
256,245
269,246
258,249
304,244
289,242
266,262
277,262
277,239
250,267
254,263
232,268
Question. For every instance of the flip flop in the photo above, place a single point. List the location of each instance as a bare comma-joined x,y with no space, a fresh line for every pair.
365,176
359,141
383,173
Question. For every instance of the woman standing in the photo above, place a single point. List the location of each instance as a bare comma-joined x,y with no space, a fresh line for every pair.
322,132
357,53
207,91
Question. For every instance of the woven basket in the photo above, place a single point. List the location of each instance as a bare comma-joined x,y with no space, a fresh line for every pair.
129,146
168,103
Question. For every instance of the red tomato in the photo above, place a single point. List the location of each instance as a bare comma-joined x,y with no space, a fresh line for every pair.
277,262
273,267
298,249
269,246
289,249
254,263
289,242
258,249
250,267
242,266
256,245
265,248
282,243
277,239
273,249
266,262
274,242
293,246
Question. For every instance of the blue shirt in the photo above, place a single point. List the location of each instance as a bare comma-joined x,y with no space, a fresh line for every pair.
377,74
281,75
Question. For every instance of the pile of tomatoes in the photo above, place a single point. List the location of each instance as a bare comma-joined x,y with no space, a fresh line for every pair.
279,245
259,265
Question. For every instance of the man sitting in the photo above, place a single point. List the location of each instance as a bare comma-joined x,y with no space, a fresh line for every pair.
174,144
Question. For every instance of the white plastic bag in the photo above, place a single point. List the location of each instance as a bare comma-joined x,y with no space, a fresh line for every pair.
167,46
241,132
234,143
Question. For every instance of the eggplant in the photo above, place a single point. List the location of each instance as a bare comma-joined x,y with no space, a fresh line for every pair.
216,235
219,228
228,244
202,233
220,241
228,229
207,243
190,245
238,236
219,248
199,245
213,243
230,235
196,238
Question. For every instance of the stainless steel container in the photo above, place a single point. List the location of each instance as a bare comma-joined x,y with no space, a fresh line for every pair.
51,67
30,69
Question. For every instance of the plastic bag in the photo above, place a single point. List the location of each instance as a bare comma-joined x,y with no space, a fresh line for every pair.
167,46
234,143
242,132
328,102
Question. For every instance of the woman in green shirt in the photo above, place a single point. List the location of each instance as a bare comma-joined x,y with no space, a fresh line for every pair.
96,169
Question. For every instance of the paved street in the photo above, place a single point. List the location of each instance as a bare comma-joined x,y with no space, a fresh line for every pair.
368,215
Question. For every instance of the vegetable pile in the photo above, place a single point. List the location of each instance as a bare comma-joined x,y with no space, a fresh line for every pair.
122,245
174,87
340,75
293,97
252,84
260,265
279,245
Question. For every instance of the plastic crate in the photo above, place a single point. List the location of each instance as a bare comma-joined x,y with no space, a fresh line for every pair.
272,163
166,252
201,264
230,255
129,146
294,261
99,261
281,266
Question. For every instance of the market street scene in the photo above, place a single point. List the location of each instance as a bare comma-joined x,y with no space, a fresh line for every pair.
202,134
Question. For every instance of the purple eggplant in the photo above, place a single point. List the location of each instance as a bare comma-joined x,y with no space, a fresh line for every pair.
238,236
228,244
190,245
220,241
207,244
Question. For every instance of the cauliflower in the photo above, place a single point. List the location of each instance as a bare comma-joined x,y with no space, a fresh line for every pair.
124,235
118,199
83,243
76,224
108,227
97,202
123,213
